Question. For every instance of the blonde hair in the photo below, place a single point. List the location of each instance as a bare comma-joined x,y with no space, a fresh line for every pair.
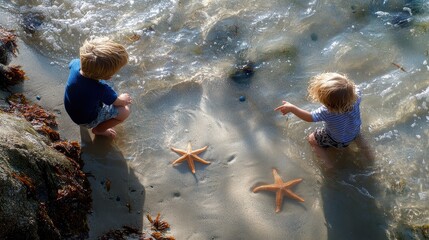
101,58
335,91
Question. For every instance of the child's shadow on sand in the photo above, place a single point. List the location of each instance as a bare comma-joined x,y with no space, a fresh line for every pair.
349,195
117,194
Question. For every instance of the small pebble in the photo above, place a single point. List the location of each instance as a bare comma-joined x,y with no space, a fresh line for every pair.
38,97
242,98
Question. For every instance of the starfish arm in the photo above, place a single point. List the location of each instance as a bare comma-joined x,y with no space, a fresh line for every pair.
277,178
291,182
180,159
293,195
200,159
180,151
189,148
198,151
279,201
270,187
191,165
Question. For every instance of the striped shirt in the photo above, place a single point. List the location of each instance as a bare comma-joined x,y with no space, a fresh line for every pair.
342,128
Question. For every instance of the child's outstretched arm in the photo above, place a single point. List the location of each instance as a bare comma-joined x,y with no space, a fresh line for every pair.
288,107
123,100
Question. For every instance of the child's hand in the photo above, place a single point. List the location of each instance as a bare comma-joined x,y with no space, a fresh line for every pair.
285,108
125,99
299,112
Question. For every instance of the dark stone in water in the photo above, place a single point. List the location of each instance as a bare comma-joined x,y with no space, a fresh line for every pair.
314,37
402,19
243,72
32,22
242,98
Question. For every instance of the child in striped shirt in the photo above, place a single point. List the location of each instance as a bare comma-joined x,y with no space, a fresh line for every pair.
340,112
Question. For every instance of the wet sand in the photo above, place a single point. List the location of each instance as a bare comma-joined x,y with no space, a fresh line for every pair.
217,202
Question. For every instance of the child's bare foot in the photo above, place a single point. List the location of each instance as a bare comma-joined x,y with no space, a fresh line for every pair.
110,132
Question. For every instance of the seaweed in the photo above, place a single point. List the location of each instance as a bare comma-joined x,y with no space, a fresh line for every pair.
158,231
70,149
8,45
42,120
9,75
159,228
26,181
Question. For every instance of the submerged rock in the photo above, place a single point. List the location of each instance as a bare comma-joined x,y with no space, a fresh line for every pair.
412,231
43,193
32,21
243,72
401,19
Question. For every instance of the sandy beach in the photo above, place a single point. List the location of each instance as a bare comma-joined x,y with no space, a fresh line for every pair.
217,201
222,188
182,55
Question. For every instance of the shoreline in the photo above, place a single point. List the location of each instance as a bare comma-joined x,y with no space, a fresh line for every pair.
47,81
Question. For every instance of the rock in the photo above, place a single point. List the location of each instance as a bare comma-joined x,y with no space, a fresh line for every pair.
8,46
13,74
402,19
32,21
43,193
243,72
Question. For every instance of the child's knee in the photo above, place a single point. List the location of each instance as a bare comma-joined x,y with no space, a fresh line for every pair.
124,112
312,139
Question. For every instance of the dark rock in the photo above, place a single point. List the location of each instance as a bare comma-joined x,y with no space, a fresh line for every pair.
243,72
43,194
402,19
32,21
314,37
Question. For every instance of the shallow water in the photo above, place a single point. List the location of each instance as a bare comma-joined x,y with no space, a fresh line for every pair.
182,54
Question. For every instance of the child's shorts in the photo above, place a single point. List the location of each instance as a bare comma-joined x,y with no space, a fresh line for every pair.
105,113
325,141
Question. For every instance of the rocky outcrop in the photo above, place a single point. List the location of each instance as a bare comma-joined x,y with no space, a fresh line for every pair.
43,193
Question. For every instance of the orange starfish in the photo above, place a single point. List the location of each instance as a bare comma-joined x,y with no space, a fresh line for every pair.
190,156
280,188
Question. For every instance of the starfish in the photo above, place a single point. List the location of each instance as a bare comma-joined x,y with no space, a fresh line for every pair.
280,188
190,156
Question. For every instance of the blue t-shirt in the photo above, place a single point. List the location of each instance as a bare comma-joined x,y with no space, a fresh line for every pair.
84,96
344,127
